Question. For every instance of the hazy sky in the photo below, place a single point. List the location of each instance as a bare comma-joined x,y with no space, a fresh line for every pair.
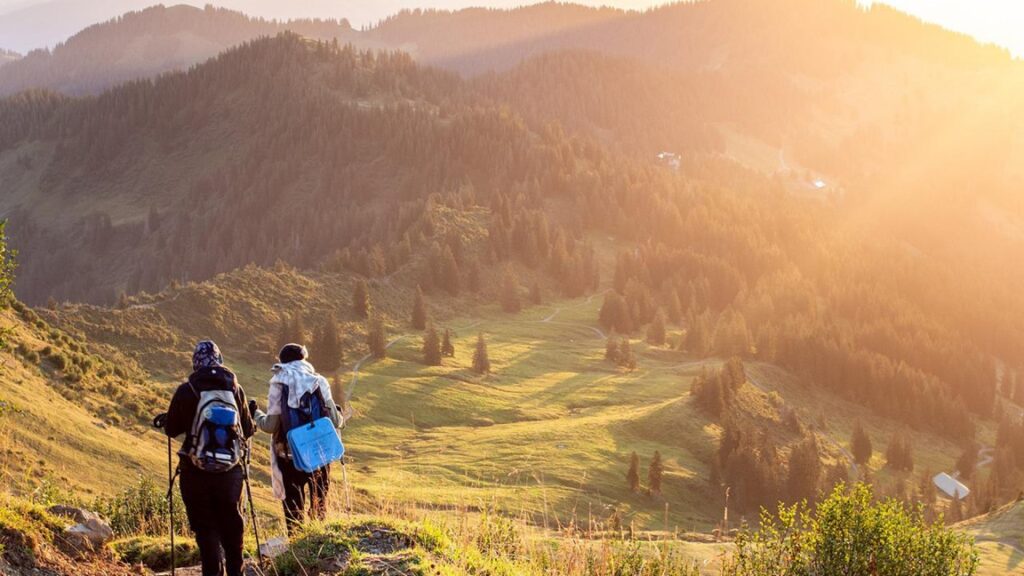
998,21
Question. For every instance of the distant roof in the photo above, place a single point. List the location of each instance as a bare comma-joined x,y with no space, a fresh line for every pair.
950,486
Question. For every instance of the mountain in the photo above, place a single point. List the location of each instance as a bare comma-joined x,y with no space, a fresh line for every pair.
146,43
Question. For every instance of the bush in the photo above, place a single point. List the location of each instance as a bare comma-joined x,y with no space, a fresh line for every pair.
60,361
155,553
849,533
142,510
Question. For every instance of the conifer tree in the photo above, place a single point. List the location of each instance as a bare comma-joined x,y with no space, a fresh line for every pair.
447,347
656,330
860,444
283,334
898,455
327,348
297,330
611,348
481,363
654,473
535,295
674,307
626,357
804,470
376,339
361,299
419,311
968,461
449,271
7,265
473,277
633,474
431,347
510,292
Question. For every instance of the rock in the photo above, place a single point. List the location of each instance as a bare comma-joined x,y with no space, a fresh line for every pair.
335,565
88,535
274,547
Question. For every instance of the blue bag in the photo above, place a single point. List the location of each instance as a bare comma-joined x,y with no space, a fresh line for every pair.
312,439
315,445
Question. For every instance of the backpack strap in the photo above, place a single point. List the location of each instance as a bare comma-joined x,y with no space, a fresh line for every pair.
286,416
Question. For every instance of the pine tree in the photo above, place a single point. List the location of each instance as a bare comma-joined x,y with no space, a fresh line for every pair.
327,346
481,363
449,271
611,348
860,444
655,472
633,475
656,330
967,462
419,311
626,357
804,470
510,292
376,339
283,334
431,347
899,454
361,299
447,347
297,330
675,309
535,295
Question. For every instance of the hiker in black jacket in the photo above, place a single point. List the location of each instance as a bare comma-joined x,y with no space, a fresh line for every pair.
212,499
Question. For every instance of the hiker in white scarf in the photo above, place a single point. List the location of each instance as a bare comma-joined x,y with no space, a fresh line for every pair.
289,484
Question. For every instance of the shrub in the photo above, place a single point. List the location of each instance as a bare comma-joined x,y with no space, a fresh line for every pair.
60,361
849,533
141,510
155,553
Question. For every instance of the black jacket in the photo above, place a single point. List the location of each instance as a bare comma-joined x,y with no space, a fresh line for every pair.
186,401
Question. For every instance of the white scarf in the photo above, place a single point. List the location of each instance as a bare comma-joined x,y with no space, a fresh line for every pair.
300,377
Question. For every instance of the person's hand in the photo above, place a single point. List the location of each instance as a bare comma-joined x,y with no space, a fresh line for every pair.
160,420
253,407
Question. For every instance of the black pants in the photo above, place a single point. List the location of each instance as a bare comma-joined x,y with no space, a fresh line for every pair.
212,502
295,484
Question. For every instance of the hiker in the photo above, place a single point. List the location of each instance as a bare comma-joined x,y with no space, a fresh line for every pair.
210,409
294,379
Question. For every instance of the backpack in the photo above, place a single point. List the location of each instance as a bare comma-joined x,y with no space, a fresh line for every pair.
311,438
216,432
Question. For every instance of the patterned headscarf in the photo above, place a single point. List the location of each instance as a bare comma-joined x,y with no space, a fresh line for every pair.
207,355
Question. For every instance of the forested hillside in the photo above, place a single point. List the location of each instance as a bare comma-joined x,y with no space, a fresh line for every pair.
144,44
8,56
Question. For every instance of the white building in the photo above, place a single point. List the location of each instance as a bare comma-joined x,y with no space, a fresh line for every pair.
950,486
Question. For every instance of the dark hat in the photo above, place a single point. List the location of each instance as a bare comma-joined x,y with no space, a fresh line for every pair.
292,352
206,355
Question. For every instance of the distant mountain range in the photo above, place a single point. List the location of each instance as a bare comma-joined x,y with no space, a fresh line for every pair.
146,43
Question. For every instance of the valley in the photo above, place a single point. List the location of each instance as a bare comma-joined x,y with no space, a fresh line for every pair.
711,284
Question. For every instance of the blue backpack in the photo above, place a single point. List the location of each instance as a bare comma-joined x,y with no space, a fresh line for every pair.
312,438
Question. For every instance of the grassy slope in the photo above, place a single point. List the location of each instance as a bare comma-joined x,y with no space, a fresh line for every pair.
62,432
1000,540
545,438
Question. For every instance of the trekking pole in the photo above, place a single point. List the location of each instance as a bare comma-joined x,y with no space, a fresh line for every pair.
344,480
158,422
252,507
170,503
